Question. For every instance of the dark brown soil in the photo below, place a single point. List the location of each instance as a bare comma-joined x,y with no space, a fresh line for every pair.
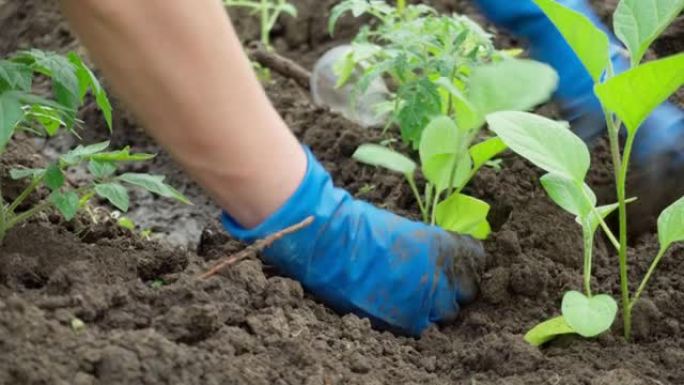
146,319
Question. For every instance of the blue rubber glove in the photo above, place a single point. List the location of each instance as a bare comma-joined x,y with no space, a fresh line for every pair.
660,133
402,275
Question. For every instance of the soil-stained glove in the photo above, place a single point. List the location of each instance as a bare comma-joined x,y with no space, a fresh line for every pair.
575,90
403,275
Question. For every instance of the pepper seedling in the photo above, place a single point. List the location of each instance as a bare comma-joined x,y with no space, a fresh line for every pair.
628,99
447,77
22,110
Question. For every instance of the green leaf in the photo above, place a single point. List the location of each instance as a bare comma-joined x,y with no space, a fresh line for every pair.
115,193
17,76
468,116
550,145
48,117
637,23
574,197
376,155
634,94
421,103
464,214
66,203
548,330
441,147
123,155
484,151
155,184
671,224
512,84
81,152
592,221
589,317
21,173
54,178
126,223
101,169
11,114
591,45
87,79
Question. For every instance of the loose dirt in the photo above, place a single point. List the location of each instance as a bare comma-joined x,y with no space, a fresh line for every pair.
84,303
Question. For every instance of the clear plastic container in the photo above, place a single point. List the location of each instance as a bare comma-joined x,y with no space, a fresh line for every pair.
326,94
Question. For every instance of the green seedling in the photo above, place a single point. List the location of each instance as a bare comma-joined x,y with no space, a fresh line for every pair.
21,110
268,10
628,99
447,77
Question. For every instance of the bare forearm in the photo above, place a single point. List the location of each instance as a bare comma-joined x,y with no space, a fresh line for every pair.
180,67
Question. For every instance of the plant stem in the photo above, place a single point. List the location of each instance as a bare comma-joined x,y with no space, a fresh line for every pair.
264,25
3,216
401,6
412,183
24,194
15,220
587,236
647,277
433,219
624,278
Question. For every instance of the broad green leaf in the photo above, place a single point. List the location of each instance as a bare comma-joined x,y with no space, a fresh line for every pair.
511,84
87,79
550,145
589,317
21,173
484,151
671,224
81,152
634,94
115,193
155,184
464,214
101,169
442,147
376,155
591,45
574,197
637,23
66,203
54,178
548,330
17,76
11,114
123,155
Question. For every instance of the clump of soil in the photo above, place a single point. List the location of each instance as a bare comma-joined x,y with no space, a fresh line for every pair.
92,304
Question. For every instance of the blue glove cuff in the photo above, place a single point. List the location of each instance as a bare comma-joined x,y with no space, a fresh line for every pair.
358,258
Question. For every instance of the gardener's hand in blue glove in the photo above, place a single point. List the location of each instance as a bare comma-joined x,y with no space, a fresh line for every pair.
403,275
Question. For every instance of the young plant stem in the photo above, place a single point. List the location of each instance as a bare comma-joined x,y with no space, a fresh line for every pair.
647,277
435,201
588,238
24,194
620,163
15,220
421,205
3,216
264,24
401,6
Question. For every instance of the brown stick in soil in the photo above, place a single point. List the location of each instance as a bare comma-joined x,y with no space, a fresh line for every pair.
281,65
256,247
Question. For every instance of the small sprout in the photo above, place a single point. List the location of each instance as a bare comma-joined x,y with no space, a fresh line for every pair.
78,325
269,12
158,283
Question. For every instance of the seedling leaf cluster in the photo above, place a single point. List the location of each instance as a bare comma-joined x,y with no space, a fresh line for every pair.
23,110
627,98
445,77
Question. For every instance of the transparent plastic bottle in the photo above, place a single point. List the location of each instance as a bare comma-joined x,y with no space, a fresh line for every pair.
364,109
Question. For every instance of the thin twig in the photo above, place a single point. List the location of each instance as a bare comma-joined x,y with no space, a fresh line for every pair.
280,64
256,247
